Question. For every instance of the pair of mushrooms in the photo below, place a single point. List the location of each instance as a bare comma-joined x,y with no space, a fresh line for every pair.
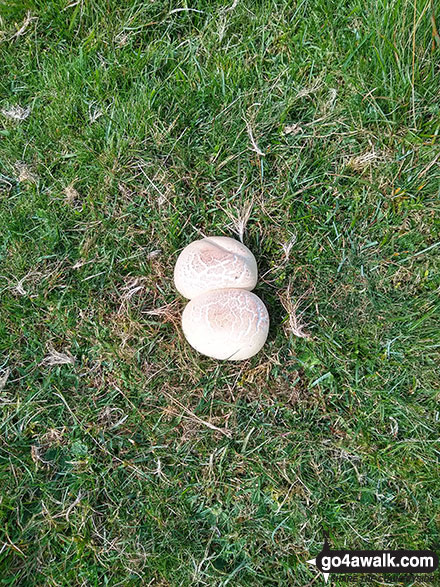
223,319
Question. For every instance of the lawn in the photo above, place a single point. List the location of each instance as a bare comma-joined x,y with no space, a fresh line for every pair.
130,128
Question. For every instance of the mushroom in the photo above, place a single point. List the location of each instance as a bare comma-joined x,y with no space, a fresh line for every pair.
226,323
214,262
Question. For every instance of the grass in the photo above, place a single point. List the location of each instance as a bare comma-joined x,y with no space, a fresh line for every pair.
135,138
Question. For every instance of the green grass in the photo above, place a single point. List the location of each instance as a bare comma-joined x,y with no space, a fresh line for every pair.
137,142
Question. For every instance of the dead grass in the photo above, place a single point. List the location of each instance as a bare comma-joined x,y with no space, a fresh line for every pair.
54,358
293,324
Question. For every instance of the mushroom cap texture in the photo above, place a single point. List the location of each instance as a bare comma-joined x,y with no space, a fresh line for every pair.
214,262
227,324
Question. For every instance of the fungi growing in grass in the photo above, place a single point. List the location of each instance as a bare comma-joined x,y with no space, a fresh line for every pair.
226,323
214,262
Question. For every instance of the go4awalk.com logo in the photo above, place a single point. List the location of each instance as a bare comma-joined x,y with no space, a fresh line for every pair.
374,561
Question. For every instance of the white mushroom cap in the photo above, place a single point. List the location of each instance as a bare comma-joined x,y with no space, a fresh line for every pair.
226,324
214,262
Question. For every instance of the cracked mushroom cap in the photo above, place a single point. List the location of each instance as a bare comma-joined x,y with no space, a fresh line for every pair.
227,324
214,262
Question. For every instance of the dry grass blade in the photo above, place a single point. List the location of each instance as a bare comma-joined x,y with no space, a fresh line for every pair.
255,147
25,173
287,247
186,10
18,289
16,112
241,219
168,313
71,194
360,162
134,286
233,6
223,431
314,87
56,358
154,254
26,22
168,310
292,129
294,325
4,379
